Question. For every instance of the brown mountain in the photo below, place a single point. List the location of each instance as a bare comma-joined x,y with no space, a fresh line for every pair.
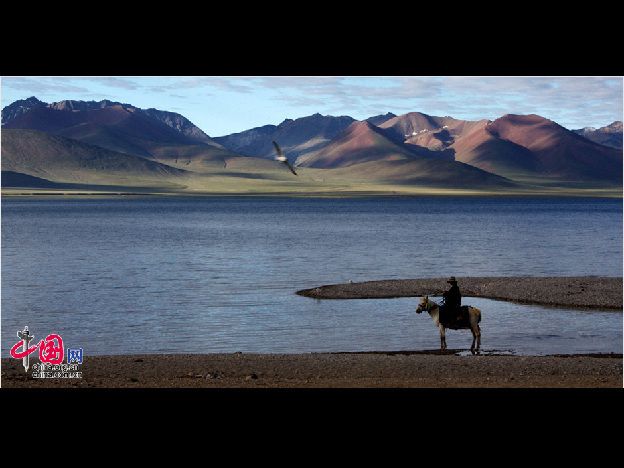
469,142
403,126
111,125
436,133
59,159
19,107
296,137
514,146
381,118
358,143
480,148
610,135
557,152
369,152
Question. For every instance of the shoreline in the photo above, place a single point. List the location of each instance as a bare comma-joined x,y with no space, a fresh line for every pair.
583,292
377,369
10,192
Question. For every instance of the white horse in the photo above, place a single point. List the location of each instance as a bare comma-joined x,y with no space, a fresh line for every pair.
463,322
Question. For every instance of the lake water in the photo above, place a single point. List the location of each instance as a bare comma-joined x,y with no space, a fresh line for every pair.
196,275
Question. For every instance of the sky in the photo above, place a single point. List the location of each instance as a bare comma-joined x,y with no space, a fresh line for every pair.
222,105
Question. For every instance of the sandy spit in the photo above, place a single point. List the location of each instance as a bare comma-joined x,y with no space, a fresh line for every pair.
380,369
578,292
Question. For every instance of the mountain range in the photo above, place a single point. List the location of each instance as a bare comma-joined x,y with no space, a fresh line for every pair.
610,135
521,147
296,137
64,116
112,143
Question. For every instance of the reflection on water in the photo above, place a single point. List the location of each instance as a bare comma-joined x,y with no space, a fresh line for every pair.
219,274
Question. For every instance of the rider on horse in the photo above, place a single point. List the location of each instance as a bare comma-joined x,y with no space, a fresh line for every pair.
452,301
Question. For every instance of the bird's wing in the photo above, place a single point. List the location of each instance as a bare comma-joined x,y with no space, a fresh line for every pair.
290,167
278,149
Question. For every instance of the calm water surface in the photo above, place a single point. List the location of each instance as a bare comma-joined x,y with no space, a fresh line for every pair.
156,275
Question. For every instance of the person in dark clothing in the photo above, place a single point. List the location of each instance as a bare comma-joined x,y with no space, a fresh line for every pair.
452,300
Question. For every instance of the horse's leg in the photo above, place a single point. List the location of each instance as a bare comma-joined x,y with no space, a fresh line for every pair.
442,338
474,328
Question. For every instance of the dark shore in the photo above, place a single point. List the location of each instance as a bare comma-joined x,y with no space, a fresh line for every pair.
577,292
424,369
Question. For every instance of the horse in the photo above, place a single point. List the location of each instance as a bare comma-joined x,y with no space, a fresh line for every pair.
469,320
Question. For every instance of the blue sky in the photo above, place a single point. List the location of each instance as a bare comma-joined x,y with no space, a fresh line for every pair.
222,105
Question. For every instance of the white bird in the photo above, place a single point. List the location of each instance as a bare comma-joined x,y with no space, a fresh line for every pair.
282,158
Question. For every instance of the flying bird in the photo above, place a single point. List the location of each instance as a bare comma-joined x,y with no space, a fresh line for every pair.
282,158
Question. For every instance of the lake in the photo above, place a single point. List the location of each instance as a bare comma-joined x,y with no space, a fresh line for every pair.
219,274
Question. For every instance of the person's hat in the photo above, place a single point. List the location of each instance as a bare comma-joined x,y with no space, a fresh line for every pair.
451,280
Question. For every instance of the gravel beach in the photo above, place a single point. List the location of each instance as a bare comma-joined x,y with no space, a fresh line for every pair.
382,369
582,292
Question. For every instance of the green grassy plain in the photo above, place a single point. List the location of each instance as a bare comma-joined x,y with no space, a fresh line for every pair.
82,170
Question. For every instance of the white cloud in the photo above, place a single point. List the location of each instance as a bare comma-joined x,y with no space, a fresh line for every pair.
572,101
116,82
42,86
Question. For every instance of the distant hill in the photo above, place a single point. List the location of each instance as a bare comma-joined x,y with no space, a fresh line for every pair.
358,143
111,125
404,126
425,172
558,152
468,140
369,152
514,146
480,148
11,179
379,119
17,179
59,159
19,107
363,142
296,137
429,131
252,142
610,135
181,124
